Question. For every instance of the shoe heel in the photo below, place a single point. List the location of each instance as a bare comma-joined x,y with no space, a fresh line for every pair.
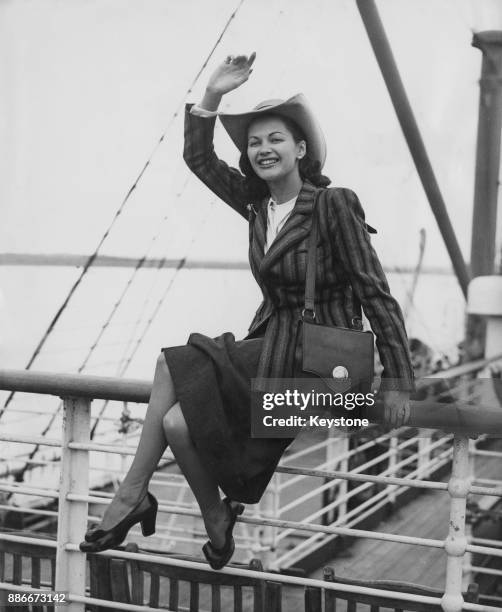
148,523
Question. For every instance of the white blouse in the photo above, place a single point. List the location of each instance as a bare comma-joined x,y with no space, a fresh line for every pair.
277,215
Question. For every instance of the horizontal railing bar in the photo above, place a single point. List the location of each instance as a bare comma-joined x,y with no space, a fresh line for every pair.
488,542
337,459
385,455
285,579
297,526
76,385
48,413
420,484
484,550
460,370
345,454
483,570
41,440
424,414
156,480
337,475
103,448
492,481
27,510
25,540
486,453
39,492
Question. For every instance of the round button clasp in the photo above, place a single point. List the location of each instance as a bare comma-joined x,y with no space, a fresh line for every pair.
340,373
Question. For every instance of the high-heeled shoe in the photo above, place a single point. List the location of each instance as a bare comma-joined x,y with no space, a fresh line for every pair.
219,557
97,539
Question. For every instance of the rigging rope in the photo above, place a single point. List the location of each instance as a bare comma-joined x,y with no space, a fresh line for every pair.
156,310
138,266
92,257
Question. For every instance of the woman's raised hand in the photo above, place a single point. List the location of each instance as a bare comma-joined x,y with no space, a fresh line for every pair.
234,71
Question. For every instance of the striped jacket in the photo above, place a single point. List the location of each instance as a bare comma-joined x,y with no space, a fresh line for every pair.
345,258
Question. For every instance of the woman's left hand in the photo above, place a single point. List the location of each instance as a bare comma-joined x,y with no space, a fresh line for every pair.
396,408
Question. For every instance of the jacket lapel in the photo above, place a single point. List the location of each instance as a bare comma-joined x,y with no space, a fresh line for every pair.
295,229
258,234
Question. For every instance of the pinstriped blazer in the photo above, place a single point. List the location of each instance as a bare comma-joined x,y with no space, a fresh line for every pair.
345,258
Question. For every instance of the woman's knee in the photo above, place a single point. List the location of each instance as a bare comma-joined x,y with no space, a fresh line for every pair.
163,387
161,366
174,424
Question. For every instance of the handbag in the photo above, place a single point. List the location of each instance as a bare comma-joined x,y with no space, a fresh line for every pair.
342,357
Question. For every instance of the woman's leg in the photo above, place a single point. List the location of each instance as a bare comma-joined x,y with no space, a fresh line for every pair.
204,487
151,446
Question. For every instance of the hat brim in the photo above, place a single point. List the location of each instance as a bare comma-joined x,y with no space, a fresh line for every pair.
295,108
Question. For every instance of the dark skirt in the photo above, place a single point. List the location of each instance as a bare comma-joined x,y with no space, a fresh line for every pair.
212,380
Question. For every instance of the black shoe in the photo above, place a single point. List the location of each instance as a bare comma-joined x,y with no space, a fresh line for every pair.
97,539
219,557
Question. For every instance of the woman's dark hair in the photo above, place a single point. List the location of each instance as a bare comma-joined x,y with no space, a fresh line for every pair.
309,169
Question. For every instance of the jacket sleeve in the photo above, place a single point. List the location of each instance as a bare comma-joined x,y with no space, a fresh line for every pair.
362,266
226,182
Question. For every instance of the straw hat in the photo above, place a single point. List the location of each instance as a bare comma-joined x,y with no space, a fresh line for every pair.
295,108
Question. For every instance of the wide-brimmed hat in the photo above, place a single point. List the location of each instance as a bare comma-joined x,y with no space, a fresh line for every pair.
295,108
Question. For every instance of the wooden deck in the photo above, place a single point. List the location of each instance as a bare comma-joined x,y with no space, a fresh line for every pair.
426,516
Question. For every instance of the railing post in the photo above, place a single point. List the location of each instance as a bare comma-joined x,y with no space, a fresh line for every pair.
72,515
393,450
338,446
456,541
269,509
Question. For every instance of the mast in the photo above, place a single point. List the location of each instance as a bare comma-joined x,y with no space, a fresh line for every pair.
484,220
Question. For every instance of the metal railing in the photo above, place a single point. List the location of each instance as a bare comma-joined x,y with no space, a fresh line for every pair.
73,492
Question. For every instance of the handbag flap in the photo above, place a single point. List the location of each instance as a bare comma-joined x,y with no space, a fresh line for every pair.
332,352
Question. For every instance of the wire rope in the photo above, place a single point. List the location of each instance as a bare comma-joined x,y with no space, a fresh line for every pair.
123,204
156,310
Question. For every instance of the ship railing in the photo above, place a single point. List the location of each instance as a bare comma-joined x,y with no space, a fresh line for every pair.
387,453
73,495
392,453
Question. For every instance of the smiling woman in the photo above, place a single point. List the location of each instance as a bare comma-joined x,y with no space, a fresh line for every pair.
201,397
274,151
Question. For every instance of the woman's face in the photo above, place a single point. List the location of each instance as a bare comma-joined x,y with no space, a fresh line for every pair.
272,150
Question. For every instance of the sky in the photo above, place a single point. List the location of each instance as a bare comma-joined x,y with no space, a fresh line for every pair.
90,86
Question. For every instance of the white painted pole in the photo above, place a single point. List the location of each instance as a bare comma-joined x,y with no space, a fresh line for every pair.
72,515
268,533
456,541
339,447
485,299
393,451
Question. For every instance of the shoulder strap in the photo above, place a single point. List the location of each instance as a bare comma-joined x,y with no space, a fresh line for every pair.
309,308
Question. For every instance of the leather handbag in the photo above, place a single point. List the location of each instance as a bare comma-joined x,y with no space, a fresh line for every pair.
342,357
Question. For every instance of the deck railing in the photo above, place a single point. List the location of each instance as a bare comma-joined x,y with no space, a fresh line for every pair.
73,493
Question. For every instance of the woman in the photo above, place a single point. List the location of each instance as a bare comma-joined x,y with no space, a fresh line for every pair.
200,401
